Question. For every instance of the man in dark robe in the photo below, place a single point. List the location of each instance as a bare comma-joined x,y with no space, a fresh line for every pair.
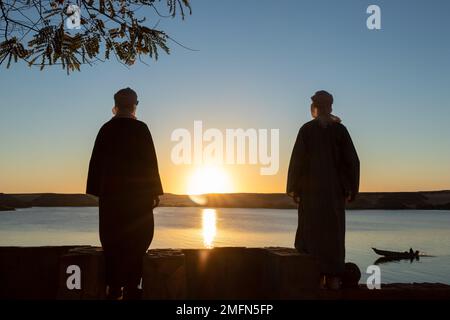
323,174
123,173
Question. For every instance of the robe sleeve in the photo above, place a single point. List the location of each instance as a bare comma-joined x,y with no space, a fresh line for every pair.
95,165
351,165
297,165
152,172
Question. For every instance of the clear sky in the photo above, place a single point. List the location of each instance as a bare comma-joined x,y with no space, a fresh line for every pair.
258,63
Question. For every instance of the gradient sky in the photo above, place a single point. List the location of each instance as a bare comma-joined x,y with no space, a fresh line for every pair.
258,63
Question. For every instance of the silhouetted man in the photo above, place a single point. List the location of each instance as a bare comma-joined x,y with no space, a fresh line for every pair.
323,173
123,173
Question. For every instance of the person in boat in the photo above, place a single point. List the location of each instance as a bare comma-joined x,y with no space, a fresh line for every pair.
323,174
123,173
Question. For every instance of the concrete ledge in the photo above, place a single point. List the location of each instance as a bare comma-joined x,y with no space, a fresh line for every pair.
220,273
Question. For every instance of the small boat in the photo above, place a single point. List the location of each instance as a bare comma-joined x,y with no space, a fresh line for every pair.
396,254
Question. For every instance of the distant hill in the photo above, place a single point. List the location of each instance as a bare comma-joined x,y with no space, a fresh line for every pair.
426,200
8,202
57,199
429,200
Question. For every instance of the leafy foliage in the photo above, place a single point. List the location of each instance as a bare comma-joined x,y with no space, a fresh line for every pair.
35,31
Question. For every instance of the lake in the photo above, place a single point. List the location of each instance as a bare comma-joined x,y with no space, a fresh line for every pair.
426,231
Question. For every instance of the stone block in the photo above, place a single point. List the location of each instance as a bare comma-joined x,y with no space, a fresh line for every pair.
224,273
30,272
164,274
91,263
290,275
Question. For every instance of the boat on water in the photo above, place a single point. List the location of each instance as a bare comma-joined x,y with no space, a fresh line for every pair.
397,254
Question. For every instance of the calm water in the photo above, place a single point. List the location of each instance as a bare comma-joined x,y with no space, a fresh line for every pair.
427,231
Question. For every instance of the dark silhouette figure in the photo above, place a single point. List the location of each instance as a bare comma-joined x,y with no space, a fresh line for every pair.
323,174
123,173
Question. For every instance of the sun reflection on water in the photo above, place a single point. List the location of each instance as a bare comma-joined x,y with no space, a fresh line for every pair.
209,227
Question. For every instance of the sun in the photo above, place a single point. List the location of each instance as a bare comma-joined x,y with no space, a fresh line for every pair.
209,179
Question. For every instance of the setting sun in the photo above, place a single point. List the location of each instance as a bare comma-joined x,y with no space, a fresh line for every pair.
209,180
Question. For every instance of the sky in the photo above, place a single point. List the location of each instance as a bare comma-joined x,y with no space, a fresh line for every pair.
256,65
